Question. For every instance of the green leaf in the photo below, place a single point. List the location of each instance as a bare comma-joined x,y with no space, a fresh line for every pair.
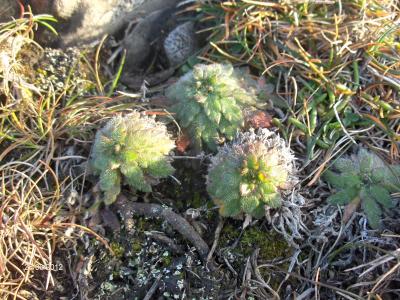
344,196
232,112
118,131
231,180
259,211
110,184
135,178
129,156
350,118
200,122
210,133
369,161
386,176
108,179
217,104
252,161
212,110
189,114
250,203
345,165
210,142
229,201
267,188
231,205
216,189
381,195
160,168
273,200
223,125
396,170
371,209
111,195
50,27
231,131
380,174
103,143
99,163
343,180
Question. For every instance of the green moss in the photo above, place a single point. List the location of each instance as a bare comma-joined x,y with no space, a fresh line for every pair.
118,249
197,201
166,260
136,246
228,235
271,244
142,224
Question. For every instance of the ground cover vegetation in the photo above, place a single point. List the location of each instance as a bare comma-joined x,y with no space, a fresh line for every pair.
264,167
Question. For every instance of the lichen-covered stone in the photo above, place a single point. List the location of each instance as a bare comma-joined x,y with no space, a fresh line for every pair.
83,21
180,43
62,71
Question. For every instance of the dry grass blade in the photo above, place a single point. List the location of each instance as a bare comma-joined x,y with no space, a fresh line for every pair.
333,63
44,115
27,209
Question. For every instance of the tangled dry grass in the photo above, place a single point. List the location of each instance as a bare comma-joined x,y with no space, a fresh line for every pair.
30,200
44,130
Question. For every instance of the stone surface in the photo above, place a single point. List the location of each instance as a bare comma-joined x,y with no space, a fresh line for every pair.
141,42
161,32
180,43
83,21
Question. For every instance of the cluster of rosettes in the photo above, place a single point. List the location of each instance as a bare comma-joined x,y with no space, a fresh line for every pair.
367,179
244,176
209,102
133,148
250,173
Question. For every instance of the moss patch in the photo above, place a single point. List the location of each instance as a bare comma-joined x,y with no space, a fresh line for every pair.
118,249
271,244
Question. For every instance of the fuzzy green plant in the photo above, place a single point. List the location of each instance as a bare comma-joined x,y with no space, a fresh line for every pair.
364,178
131,149
209,102
250,173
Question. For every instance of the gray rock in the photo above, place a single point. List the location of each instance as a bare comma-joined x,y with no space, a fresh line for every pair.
83,21
163,38
141,42
181,43
65,9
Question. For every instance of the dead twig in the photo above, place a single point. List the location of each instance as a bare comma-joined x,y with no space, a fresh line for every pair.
216,239
161,237
153,288
129,208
